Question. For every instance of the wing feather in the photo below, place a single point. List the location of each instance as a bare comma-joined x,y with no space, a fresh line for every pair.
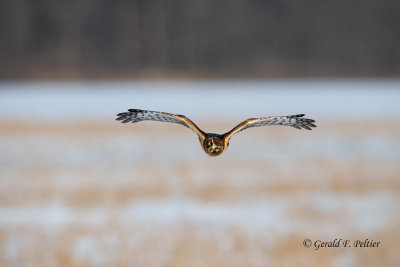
295,121
137,115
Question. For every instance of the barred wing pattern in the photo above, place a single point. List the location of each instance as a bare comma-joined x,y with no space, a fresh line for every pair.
295,121
137,115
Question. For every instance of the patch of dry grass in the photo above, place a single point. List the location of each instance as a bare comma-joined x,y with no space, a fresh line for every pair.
89,194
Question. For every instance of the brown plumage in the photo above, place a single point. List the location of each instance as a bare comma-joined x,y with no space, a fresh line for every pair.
215,144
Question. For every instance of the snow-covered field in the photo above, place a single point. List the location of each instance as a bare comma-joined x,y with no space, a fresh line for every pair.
80,189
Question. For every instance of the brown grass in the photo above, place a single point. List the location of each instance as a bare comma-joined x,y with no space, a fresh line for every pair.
86,171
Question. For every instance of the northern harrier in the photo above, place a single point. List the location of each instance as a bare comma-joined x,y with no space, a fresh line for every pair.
215,144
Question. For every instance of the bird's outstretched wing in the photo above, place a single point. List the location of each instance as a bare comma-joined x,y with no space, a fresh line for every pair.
136,115
295,121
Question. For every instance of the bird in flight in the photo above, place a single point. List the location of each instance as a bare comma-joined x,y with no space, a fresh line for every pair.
214,144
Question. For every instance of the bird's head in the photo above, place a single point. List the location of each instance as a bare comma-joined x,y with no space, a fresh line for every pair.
213,146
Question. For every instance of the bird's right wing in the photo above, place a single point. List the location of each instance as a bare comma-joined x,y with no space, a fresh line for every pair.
136,115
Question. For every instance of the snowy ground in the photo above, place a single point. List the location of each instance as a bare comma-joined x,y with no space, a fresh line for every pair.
79,189
201,100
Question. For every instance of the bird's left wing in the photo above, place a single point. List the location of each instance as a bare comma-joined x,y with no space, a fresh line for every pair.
136,115
296,121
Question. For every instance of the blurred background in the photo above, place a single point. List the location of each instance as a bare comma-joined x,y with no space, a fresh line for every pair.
163,39
78,188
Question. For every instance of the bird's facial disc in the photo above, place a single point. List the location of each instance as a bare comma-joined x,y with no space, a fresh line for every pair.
214,146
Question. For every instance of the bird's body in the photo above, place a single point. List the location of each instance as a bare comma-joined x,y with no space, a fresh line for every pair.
215,144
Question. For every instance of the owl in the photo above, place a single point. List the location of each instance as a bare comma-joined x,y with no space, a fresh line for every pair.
215,144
